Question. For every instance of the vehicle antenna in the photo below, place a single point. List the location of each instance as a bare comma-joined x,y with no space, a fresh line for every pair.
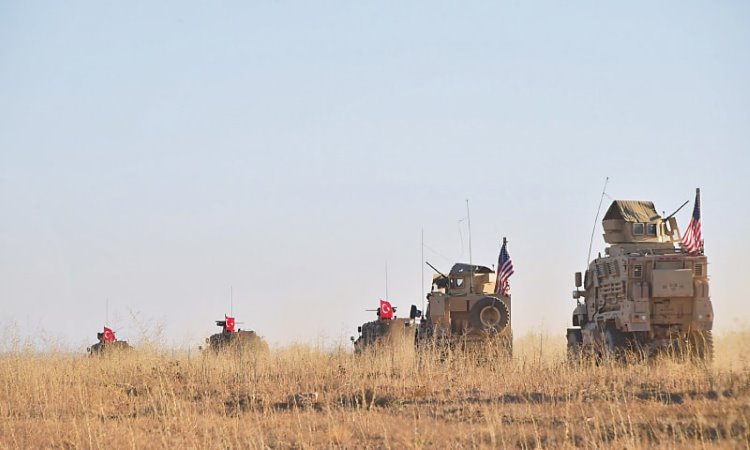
596,219
386,281
422,294
231,300
471,261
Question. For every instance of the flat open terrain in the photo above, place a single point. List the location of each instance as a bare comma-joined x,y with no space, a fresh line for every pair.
301,397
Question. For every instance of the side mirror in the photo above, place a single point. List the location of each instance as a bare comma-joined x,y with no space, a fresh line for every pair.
359,329
351,338
414,312
579,283
88,349
207,341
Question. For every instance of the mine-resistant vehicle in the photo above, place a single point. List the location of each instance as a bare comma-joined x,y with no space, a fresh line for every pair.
107,344
465,312
387,332
235,339
646,294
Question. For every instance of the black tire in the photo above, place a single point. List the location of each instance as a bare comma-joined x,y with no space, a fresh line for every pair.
489,314
615,342
575,345
702,345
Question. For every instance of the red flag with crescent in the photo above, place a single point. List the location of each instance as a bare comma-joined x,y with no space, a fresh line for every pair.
386,310
108,335
230,323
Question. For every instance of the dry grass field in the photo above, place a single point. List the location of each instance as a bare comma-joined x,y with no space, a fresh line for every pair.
302,397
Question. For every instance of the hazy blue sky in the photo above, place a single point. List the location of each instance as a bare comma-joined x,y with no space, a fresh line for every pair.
159,153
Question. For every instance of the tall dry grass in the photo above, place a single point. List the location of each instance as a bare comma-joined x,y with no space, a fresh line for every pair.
304,397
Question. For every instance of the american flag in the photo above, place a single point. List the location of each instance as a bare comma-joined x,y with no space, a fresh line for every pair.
504,271
692,240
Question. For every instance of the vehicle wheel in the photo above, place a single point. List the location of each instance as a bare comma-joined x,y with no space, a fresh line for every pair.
615,342
489,314
702,345
575,345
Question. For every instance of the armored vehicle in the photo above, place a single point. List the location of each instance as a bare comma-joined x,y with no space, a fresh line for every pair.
107,344
391,332
238,340
645,294
465,312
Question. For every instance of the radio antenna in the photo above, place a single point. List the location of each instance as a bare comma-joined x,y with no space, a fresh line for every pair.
471,261
422,294
596,219
386,281
231,301
468,220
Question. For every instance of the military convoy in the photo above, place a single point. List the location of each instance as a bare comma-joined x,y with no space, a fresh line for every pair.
645,295
235,339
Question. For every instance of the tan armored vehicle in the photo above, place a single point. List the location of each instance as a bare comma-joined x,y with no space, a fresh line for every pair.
390,332
237,340
464,312
645,294
107,344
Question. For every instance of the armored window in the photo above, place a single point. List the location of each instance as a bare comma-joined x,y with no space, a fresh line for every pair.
457,282
651,229
637,229
637,271
698,269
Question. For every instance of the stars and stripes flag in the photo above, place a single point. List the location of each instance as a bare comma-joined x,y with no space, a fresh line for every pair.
692,240
504,270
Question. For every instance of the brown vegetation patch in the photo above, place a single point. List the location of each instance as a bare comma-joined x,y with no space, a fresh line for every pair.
301,397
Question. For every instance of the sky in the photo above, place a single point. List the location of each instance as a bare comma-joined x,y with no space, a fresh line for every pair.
165,163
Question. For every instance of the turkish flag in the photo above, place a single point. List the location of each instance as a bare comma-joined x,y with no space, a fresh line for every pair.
386,310
109,335
230,323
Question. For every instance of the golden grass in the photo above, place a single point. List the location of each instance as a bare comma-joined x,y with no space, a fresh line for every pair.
303,397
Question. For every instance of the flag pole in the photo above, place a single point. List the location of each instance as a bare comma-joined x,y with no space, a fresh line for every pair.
702,249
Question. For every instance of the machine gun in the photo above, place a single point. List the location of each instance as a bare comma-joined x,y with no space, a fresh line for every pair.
443,280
